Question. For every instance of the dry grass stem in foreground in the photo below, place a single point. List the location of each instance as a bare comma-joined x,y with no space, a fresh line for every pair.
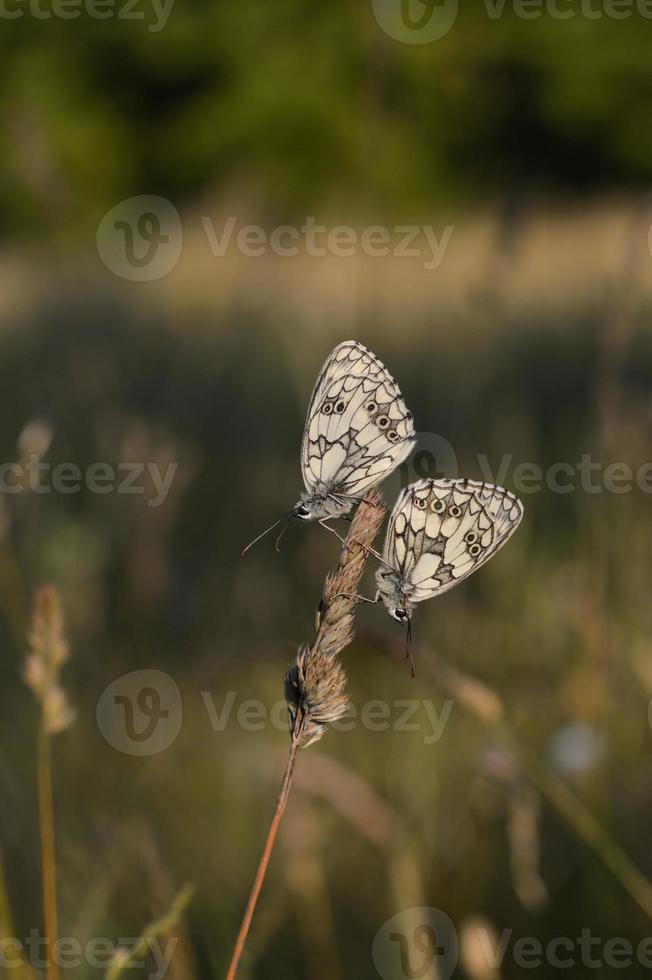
315,684
48,653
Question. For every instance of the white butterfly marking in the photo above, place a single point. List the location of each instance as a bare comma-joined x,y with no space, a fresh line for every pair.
357,431
439,532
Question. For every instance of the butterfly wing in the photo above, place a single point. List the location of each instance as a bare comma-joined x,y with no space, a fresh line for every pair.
440,531
358,429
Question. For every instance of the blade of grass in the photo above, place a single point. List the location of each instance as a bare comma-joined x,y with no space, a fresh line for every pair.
48,863
124,958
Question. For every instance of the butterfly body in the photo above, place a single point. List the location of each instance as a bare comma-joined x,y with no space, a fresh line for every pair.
439,532
321,503
392,591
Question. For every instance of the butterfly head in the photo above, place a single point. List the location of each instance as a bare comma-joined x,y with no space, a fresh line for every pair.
399,614
390,590
319,503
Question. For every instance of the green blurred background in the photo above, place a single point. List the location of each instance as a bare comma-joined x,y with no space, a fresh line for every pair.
532,139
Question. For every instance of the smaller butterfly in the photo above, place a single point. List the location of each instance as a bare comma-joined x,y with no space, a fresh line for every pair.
357,431
439,532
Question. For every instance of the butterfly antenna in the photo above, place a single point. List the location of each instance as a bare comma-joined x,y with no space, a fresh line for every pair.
410,647
285,520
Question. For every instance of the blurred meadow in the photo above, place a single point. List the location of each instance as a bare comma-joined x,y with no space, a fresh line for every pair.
527,812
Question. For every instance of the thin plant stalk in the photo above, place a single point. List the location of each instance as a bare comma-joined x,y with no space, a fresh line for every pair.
48,863
284,792
315,683
42,672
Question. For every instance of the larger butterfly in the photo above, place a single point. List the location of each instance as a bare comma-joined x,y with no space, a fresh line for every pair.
357,431
439,532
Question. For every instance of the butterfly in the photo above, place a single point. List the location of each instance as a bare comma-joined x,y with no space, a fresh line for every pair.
439,533
357,431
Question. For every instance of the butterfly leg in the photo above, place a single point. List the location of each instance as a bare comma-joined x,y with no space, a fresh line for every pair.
348,544
323,606
372,551
358,598
365,547
331,529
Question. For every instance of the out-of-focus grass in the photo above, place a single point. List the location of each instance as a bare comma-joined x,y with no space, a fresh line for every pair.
559,624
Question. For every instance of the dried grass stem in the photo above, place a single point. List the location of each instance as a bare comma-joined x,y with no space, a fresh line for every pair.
315,683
